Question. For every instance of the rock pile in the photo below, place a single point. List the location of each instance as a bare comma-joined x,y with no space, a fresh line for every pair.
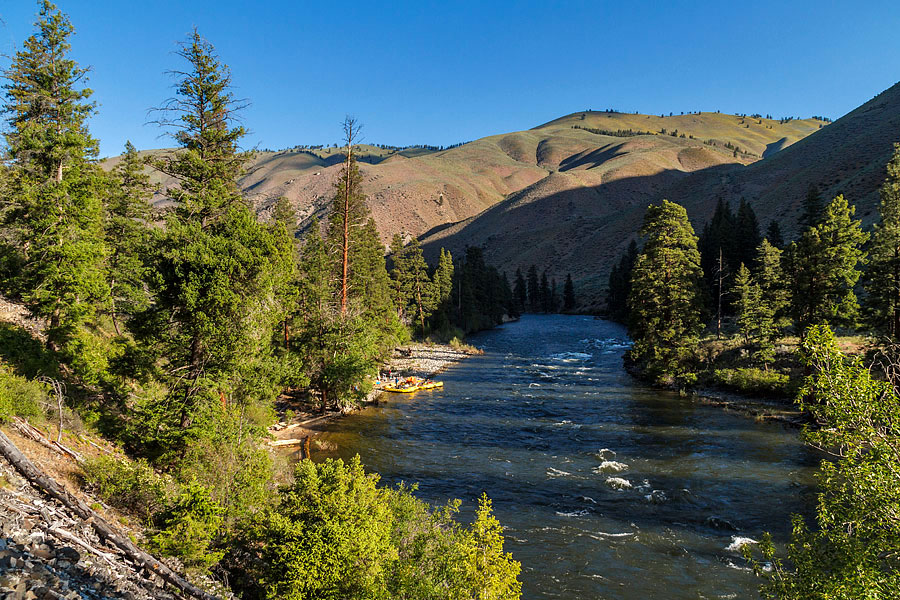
45,553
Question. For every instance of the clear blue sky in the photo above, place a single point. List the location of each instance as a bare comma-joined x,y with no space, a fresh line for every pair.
444,72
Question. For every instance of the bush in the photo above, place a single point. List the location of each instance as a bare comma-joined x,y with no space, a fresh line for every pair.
188,527
753,381
336,535
20,397
131,486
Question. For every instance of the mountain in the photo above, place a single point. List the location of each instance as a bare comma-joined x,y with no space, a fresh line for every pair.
565,195
580,221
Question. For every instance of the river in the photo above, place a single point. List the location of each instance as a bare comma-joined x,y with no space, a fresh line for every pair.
606,488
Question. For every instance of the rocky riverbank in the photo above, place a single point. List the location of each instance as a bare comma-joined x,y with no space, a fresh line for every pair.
414,360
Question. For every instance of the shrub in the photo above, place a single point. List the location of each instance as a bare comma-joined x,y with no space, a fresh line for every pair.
20,397
336,535
188,527
753,381
130,486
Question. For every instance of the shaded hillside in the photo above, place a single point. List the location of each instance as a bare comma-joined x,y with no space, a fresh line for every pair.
416,190
580,222
848,156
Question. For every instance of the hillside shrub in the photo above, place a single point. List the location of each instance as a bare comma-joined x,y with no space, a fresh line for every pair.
189,526
130,486
753,381
336,535
20,397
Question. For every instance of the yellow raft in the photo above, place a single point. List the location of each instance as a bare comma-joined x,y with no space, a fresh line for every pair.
409,386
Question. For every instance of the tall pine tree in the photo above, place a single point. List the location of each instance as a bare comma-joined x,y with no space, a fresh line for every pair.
128,216
823,267
219,275
665,299
54,184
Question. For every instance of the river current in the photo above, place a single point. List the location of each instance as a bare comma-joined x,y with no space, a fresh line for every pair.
606,488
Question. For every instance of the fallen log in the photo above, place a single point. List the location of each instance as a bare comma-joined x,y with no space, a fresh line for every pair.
103,529
287,442
30,431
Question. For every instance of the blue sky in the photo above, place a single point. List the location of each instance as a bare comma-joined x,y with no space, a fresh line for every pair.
445,72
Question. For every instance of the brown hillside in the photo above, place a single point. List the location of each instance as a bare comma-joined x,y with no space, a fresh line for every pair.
581,218
417,190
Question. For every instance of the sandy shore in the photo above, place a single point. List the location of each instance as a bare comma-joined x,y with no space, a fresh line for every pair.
413,360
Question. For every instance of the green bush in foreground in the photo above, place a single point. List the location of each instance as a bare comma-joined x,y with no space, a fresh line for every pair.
189,526
131,486
851,551
336,535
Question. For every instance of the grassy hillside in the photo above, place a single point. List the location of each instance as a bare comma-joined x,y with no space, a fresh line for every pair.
562,195
579,220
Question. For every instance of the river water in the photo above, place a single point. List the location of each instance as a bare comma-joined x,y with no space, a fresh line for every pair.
606,488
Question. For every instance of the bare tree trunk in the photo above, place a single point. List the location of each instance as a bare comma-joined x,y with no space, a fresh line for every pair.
719,310
350,131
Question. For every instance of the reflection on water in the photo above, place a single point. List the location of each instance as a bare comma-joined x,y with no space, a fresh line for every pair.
606,488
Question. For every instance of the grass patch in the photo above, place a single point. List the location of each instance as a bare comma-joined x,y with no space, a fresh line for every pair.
750,380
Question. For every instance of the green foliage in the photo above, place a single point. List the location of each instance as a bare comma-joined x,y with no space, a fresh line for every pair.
664,302
822,268
620,284
851,552
131,486
188,527
482,296
415,292
882,278
20,397
128,216
761,301
219,277
490,572
330,535
813,208
336,534
53,183
753,381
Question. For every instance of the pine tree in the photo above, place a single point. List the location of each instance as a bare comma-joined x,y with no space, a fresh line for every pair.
665,301
747,235
546,299
568,294
219,274
349,211
54,183
128,215
202,119
774,235
534,290
410,274
883,275
823,268
620,284
520,292
774,301
443,290
748,303
813,208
